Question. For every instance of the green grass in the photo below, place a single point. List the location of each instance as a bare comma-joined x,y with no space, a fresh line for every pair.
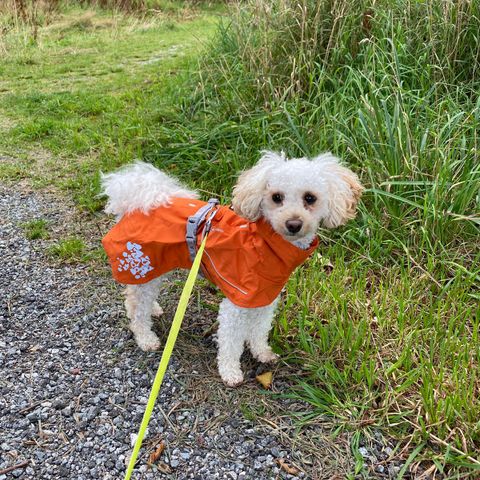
36,229
69,249
388,338
87,91
384,320
74,250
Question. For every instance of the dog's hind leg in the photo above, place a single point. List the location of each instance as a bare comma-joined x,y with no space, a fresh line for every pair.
140,303
130,301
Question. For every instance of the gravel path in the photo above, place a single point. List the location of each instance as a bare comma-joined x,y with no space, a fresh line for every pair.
73,385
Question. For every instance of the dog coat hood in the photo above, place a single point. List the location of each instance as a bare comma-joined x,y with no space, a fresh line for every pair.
248,261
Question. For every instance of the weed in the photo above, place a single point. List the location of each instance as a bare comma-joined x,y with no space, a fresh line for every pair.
251,412
36,229
69,249
12,171
385,335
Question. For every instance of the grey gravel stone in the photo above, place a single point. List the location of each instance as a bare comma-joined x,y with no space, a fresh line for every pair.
363,452
33,417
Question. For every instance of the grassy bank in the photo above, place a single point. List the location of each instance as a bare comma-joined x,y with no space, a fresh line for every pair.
384,321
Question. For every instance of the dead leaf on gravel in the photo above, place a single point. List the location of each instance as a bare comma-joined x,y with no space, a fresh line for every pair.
265,379
163,467
155,455
286,467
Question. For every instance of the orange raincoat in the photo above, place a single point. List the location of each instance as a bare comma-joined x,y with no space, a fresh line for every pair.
248,261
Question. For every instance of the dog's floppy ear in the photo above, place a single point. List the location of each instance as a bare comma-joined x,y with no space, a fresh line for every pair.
344,189
251,184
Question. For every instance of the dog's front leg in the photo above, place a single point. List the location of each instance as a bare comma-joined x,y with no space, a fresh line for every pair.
236,327
258,330
232,334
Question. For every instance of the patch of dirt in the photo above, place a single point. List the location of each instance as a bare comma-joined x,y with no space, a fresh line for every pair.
6,123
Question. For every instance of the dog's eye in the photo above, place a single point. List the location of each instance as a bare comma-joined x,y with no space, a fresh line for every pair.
277,198
309,198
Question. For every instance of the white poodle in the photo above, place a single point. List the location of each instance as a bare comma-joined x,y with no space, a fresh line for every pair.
276,210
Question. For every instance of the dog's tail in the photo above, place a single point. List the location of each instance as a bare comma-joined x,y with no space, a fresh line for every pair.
140,186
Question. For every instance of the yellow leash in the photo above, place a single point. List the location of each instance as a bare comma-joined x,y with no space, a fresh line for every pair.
167,352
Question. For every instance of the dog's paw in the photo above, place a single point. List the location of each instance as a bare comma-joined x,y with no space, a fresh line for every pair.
157,310
148,342
266,356
231,377
233,380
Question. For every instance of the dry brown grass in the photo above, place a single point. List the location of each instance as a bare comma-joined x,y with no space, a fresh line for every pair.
125,5
26,10
37,13
33,13
29,10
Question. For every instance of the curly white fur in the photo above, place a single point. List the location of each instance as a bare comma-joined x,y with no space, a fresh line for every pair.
334,189
140,186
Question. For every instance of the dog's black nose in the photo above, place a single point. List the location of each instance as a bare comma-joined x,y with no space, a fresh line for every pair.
293,226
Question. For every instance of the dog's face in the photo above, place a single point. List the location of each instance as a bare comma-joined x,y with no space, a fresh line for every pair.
297,195
293,204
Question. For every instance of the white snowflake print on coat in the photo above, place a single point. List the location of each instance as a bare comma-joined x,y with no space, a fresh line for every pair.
135,261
